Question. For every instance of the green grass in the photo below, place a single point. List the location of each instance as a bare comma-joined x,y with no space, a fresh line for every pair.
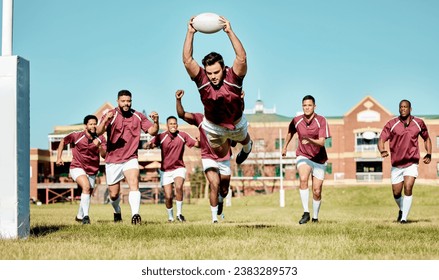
356,223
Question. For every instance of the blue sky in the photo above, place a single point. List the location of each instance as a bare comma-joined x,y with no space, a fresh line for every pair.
83,52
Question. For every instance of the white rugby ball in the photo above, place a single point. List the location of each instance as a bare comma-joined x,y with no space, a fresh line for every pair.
207,23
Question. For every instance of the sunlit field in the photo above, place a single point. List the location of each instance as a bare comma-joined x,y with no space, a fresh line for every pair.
356,223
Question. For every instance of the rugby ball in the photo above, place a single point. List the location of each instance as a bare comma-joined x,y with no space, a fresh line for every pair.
207,23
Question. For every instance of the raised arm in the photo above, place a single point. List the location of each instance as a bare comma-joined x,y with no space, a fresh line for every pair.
182,114
240,63
191,65
155,126
100,129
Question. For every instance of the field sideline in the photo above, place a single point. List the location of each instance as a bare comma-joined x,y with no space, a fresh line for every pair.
356,223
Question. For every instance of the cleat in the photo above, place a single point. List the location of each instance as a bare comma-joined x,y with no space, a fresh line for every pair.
305,218
78,220
399,216
136,219
242,156
214,221
170,220
314,220
403,222
220,208
86,220
181,218
117,217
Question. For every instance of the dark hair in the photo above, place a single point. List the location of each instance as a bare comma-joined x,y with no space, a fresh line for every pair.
170,118
405,100
90,117
123,92
309,97
213,58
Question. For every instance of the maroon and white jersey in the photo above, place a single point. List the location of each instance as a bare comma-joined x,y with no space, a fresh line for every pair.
222,105
404,148
206,150
316,128
85,153
172,148
123,135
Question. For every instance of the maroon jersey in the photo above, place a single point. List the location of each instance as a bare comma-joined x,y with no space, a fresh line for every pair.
85,152
172,148
404,148
123,135
316,128
222,105
206,150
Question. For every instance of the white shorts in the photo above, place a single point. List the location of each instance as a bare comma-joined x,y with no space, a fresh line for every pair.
167,177
217,135
398,174
114,171
222,166
318,169
76,172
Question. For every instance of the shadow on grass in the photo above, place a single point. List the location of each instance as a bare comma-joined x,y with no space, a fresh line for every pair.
255,226
39,231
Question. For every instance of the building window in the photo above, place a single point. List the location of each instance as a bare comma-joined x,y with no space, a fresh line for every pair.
366,141
259,144
437,169
328,142
437,141
257,172
278,144
329,167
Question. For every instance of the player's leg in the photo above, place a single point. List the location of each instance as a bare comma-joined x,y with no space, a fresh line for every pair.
167,189
318,176
409,182
397,186
84,182
114,174
212,175
131,173
178,185
304,172
225,174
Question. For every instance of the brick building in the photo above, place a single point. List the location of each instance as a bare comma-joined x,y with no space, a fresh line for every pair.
352,150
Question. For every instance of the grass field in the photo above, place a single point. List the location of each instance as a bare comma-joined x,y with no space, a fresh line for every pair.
356,223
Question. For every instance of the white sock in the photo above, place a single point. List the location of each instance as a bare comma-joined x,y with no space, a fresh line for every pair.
134,199
247,147
214,212
116,204
179,207
406,205
304,196
399,202
80,214
85,203
170,214
315,208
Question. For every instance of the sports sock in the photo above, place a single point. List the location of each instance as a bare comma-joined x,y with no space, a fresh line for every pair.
406,205
214,212
85,203
170,213
179,207
399,202
80,214
134,199
304,196
116,204
315,208
247,147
